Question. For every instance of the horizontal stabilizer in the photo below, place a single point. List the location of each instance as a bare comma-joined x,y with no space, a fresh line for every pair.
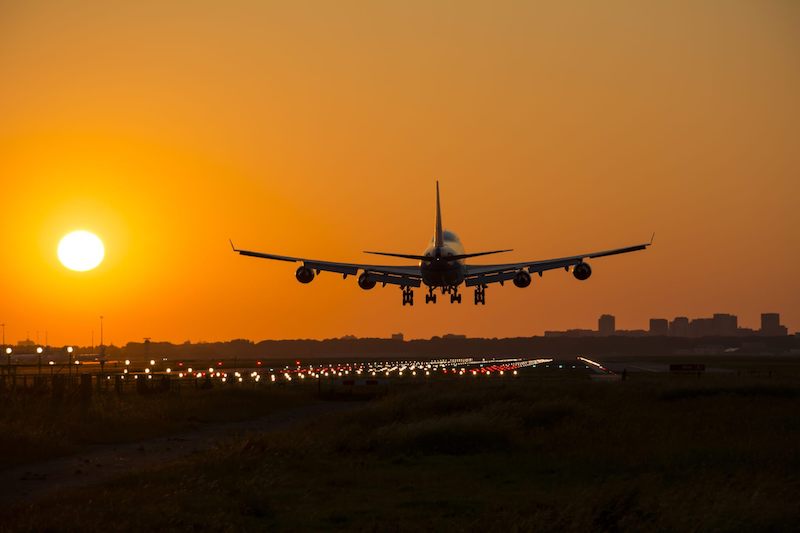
428,258
404,256
477,254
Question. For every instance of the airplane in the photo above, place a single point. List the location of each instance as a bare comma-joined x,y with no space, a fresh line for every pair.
442,266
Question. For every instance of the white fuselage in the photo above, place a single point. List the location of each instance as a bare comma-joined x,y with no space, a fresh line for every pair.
439,271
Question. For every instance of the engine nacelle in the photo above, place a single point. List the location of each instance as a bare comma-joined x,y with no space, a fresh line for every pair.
522,279
582,271
304,274
365,283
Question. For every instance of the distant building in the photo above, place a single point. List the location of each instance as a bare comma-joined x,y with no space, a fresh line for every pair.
397,336
453,336
631,333
701,327
571,333
771,325
659,326
725,325
606,325
679,327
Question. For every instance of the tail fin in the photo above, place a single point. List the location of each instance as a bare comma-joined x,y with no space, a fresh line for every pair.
438,236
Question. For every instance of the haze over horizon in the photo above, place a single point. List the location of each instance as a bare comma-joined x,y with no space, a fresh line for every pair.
318,130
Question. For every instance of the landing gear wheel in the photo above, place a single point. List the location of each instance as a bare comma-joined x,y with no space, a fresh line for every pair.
408,296
455,298
430,298
480,295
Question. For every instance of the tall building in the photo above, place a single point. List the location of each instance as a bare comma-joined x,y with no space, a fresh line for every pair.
679,327
659,326
701,327
606,325
771,325
725,325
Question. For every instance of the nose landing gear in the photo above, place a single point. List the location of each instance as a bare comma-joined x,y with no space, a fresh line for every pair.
480,294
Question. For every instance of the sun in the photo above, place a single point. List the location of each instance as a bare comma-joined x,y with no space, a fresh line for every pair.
81,250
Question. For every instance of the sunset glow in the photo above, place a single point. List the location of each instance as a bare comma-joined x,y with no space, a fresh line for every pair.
553,128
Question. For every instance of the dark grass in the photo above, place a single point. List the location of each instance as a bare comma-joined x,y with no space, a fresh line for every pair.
37,427
517,455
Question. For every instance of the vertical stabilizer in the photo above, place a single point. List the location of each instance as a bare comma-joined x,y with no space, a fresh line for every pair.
438,237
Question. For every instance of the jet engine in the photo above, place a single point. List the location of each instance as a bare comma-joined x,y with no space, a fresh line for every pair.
582,271
364,282
522,279
304,274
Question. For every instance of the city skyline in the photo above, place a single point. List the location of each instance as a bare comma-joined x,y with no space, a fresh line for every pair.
679,326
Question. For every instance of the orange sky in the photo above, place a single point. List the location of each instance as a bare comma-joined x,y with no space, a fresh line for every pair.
318,129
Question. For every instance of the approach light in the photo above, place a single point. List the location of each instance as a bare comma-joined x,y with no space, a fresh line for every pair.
39,350
127,361
152,362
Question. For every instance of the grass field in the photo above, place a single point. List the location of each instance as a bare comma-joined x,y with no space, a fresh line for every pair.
543,452
37,427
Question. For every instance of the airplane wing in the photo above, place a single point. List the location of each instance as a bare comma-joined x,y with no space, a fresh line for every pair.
485,274
395,275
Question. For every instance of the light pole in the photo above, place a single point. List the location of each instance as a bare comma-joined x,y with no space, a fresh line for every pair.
8,354
39,351
69,360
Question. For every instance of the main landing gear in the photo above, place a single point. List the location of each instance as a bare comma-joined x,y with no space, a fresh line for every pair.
454,296
480,294
452,291
430,297
408,296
